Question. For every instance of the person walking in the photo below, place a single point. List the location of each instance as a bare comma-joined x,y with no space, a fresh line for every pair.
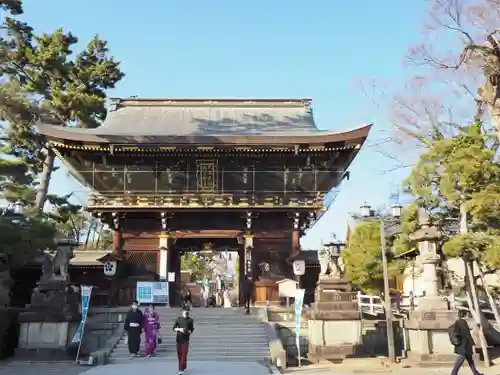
133,326
184,327
187,299
218,291
151,326
247,289
461,339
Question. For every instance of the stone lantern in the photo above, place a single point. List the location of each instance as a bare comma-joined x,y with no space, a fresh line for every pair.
426,329
426,238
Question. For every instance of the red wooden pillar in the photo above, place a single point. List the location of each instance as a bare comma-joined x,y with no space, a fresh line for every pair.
118,242
115,282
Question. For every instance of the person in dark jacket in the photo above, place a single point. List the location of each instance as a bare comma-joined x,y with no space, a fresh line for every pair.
184,326
247,289
464,345
133,326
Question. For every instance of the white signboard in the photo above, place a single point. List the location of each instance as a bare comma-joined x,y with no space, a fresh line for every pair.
299,267
287,288
152,292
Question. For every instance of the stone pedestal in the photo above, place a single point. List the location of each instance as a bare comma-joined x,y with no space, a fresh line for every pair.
48,324
334,322
426,336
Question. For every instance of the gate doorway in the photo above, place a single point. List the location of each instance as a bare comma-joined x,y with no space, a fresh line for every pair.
195,260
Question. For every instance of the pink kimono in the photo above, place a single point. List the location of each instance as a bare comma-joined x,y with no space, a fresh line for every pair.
151,326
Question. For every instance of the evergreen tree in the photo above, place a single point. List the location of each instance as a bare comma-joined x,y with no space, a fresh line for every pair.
51,85
362,258
463,169
198,264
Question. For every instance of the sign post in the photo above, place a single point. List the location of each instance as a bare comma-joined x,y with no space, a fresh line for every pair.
86,292
299,301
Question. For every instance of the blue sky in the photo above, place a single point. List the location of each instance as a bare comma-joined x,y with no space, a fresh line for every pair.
320,49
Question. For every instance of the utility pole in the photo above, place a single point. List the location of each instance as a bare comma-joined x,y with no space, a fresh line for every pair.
469,272
387,295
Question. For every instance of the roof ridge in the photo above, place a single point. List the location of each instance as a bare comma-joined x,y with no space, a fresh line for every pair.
214,102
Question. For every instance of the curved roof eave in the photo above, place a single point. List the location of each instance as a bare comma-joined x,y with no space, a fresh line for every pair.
84,135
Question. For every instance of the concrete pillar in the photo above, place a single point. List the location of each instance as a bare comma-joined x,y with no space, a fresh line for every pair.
164,247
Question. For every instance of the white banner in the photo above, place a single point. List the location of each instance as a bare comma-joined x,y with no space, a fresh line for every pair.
299,301
86,293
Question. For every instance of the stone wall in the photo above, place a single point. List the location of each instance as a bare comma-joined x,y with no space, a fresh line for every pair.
374,335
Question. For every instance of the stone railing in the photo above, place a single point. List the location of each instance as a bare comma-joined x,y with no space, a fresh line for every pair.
278,353
104,328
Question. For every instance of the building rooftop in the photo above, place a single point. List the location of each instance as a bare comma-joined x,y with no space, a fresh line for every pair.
206,121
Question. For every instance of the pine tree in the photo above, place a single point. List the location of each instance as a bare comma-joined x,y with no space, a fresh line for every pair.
463,169
50,86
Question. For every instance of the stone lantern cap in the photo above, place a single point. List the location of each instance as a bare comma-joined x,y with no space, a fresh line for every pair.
427,231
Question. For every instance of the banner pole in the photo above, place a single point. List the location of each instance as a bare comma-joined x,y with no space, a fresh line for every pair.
86,292
299,301
80,343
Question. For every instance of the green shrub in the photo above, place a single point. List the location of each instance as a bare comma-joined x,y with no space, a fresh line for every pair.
9,332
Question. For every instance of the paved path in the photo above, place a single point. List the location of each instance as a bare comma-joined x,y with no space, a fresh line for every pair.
26,368
141,366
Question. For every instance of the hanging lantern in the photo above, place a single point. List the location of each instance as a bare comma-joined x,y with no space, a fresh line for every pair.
299,267
110,264
110,267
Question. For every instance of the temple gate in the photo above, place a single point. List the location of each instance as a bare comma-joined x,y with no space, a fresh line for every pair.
180,175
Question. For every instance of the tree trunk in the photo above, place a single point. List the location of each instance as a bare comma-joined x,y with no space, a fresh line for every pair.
475,306
491,300
489,94
48,167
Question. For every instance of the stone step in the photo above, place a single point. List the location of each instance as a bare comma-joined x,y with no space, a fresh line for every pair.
195,351
220,335
237,340
203,344
209,358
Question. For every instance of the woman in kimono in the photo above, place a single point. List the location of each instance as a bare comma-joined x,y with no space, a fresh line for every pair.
151,326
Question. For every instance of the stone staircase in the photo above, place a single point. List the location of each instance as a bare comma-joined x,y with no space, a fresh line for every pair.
219,335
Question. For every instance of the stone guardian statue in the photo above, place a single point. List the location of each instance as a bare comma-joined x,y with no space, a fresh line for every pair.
329,263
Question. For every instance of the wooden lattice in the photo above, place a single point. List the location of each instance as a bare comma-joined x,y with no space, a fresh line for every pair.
144,260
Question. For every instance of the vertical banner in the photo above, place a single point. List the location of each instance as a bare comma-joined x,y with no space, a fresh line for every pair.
248,263
86,292
299,301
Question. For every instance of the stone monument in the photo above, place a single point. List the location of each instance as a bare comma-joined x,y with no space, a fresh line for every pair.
49,322
426,328
334,323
